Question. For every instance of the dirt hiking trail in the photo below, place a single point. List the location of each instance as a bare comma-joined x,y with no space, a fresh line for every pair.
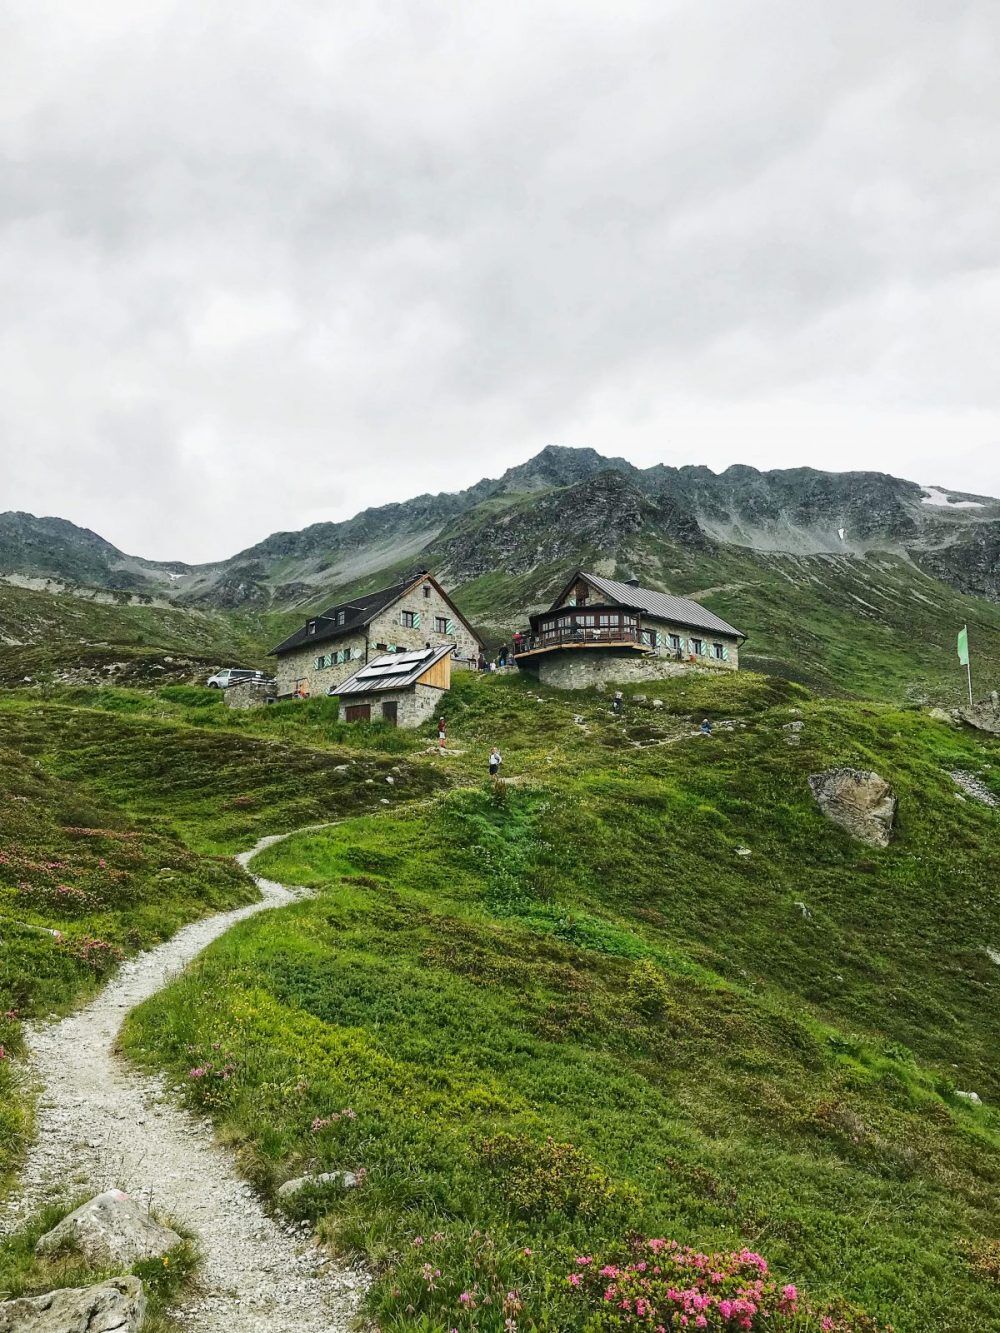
102,1124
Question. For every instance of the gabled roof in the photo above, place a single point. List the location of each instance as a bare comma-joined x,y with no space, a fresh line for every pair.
661,605
393,671
359,612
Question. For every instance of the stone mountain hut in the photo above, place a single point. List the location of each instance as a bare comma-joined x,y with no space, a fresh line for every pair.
415,613
600,630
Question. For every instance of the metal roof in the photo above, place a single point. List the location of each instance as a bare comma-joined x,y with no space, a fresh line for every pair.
662,605
393,671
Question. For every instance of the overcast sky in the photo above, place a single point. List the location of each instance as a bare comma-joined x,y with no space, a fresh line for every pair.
263,264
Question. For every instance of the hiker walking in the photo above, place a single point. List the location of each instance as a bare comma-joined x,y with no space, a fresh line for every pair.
481,663
442,735
618,702
496,759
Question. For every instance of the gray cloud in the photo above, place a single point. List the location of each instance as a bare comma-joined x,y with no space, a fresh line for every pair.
264,264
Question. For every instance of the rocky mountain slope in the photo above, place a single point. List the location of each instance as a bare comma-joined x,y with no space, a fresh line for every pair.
798,511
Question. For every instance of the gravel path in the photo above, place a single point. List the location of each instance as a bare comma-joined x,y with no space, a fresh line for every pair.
102,1124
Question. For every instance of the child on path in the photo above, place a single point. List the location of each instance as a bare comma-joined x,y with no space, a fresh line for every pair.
496,759
442,735
706,727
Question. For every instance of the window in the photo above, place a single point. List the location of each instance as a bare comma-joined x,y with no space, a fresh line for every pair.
341,617
649,636
718,651
347,655
409,619
696,647
311,627
675,643
427,590
441,624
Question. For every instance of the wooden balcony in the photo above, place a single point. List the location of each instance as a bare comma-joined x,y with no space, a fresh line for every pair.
548,638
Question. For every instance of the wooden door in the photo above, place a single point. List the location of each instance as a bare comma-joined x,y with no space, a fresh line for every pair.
390,711
358,712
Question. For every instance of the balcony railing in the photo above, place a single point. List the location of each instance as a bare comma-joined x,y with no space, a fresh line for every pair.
560,636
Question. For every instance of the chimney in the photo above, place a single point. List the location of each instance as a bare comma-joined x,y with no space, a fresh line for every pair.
632,582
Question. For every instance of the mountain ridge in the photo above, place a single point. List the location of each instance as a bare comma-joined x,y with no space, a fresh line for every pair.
795,511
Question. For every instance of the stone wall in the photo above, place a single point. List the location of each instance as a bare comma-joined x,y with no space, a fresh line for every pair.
302,668
708,640
388,628
414,705
583,668
249,693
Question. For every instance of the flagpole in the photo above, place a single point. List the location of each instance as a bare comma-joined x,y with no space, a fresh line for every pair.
968,665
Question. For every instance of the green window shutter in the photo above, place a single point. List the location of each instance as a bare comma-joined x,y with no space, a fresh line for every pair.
416,620
447,627
320,662
725,653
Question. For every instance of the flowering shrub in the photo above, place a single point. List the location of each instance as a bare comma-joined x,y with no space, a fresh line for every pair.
661,1285
461,1281
99,955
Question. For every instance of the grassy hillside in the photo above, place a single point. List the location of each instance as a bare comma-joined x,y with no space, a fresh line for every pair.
118,812
642,987
81,885
85,635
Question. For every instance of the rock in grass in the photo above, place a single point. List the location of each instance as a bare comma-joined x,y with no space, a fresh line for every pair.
859,801
346,1180
118,1306
110,1229
972,1097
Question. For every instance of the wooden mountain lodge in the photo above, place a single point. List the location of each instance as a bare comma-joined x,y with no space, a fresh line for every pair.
599,629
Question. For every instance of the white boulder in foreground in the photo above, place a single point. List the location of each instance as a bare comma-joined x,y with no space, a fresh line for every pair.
112,1229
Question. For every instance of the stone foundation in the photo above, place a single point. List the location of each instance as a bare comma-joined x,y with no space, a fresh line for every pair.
583,668
414,705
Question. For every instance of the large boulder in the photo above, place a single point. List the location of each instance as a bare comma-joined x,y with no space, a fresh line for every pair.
118,1306
985,716
859,801
111,1230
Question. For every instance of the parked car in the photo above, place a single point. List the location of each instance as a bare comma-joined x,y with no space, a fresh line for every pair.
230,676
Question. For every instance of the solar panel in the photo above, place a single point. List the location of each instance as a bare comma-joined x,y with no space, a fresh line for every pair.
415,656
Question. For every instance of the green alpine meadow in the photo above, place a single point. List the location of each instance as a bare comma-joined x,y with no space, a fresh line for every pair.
684,1018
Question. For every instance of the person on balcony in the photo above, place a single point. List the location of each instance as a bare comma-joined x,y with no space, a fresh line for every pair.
518,640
